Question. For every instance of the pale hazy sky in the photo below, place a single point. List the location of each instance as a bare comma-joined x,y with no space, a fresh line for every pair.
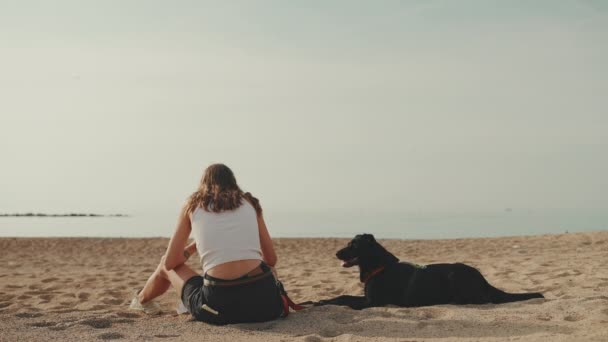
117,106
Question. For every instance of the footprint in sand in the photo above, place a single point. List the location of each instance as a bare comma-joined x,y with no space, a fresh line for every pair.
111,336
574,318
84,296
28,315
5,297
42,324
123,320
5,305
127,314
46,297
562,274
329,332
48,280
101,323
98,307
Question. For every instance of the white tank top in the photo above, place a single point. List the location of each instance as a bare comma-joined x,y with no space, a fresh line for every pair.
226,236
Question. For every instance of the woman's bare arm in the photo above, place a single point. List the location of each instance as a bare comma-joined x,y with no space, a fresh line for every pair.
175,252
190,249
268,253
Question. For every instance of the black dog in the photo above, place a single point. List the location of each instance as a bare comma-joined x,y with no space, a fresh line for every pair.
387,281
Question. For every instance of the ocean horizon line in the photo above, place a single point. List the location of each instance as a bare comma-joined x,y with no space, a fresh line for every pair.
521,235
31,214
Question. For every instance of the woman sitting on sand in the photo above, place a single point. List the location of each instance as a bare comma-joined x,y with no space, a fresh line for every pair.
236,254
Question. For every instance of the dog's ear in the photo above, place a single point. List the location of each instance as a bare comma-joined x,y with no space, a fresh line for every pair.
368,237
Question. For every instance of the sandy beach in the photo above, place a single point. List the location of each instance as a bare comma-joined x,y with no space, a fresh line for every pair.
78,289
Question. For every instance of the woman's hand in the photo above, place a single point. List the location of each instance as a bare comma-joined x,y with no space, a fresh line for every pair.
189,250
268,254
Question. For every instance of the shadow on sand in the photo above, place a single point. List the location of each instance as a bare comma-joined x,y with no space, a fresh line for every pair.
329,322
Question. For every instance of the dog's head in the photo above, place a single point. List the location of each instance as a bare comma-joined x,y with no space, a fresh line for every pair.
361,246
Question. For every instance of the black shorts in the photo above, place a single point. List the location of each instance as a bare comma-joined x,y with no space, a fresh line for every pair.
258,301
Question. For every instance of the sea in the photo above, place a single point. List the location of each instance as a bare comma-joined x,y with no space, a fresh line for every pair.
330,224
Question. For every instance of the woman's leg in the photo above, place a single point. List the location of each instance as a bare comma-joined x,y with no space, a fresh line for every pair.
155,286
160,281
178,277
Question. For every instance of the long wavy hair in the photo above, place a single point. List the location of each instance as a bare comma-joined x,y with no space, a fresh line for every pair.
218,191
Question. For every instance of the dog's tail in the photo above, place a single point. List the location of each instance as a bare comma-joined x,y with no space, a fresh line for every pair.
498,296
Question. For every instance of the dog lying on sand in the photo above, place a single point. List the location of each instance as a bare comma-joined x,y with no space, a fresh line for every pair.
388,281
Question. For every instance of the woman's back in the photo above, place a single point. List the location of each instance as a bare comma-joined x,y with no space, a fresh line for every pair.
227,237
236,254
